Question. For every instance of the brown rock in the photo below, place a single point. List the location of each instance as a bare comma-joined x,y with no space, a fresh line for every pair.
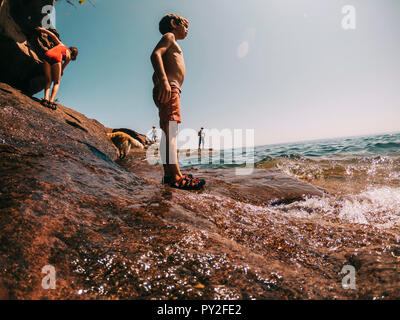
22,48
112,231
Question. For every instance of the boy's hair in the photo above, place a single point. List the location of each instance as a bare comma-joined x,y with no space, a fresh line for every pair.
165,23
74,52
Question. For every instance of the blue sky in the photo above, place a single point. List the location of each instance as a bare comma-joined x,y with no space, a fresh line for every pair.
286,69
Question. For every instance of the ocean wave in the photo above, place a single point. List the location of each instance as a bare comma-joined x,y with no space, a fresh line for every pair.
346,176
379,207
385,145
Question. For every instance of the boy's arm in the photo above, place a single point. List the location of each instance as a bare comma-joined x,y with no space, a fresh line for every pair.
66,61
164,94
51,34
64,65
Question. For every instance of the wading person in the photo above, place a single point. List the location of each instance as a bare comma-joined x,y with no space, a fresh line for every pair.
56,59
169,73
201,135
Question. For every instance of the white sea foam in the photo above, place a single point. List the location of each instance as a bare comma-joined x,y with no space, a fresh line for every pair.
379,207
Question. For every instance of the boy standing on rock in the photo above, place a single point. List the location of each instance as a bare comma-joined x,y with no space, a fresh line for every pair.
169,73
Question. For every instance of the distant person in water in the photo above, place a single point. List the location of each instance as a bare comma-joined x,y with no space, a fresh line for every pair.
202,135
169,73
56,59
154,135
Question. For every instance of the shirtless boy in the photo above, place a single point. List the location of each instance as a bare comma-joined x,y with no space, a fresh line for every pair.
169,73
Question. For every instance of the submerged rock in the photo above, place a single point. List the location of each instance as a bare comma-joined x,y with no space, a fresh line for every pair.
112,231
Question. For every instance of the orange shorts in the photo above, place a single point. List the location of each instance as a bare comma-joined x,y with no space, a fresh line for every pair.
56,54
171,110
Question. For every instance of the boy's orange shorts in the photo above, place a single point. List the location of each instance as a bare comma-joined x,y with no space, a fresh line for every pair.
171,110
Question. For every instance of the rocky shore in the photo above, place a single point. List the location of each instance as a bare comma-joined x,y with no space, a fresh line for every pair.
112,231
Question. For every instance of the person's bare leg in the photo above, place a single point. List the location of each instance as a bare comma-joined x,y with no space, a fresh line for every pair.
170,163
162,148
56,77
47,72
173,165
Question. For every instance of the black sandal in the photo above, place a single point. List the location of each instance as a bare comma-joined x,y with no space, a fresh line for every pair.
48,104
52,105
167,180
45,103
187,183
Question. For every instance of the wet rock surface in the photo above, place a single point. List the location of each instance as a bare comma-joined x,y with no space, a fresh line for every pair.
112,231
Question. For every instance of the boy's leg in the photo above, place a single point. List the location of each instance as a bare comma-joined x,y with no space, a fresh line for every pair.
47,72
162,148
169,151
56,76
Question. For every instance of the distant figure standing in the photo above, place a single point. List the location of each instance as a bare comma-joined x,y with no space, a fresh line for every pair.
154,135
201,137
56,59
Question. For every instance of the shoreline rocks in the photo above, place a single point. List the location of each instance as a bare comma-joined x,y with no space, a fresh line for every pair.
112,231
